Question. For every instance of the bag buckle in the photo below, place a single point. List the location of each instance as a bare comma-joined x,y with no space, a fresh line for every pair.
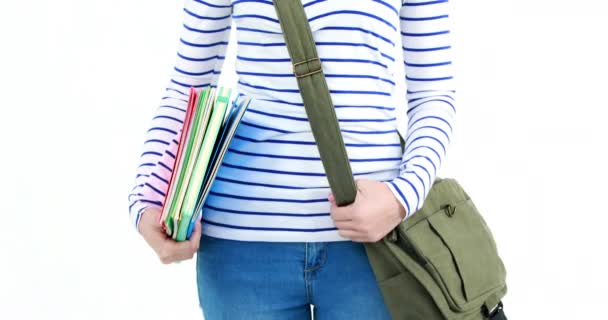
496,313
392,235
307,67
449,209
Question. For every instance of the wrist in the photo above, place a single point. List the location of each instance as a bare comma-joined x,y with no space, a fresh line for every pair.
397,205
147,219
401,209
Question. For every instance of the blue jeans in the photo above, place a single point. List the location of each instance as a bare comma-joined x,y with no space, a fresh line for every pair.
280,280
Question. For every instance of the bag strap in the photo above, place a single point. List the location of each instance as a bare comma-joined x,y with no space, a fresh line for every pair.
322,116
317,100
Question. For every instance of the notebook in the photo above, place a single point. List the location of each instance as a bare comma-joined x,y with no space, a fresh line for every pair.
211,120
177,164
228,130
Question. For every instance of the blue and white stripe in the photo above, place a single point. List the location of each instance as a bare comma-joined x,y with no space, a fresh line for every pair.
271,185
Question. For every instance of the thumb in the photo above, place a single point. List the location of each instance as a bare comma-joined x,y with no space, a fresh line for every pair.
195,238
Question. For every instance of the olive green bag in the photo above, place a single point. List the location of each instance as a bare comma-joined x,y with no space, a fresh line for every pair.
441,262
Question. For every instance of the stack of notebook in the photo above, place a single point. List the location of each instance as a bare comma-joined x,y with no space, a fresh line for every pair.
209,125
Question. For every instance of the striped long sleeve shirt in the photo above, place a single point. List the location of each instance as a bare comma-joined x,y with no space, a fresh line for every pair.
271,186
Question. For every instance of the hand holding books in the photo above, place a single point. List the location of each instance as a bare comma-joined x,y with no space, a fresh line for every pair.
211,120
167,249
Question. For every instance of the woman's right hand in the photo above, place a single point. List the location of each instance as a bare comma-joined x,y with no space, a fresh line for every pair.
167,249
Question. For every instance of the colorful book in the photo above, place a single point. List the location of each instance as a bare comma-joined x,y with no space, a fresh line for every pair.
201,160
210,123
198,128
220,151
192,101
171,221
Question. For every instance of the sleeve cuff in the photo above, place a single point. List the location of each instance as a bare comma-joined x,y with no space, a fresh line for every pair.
136,212
406,193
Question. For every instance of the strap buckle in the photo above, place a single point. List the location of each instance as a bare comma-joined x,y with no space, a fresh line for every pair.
496,313
307,67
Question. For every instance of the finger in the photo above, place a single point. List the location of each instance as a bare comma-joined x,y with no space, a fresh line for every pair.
188,247
195,238
350,234
341,213
170,250
348,225
166,251
331,198
182,250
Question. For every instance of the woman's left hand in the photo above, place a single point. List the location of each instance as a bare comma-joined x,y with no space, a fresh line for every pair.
373,215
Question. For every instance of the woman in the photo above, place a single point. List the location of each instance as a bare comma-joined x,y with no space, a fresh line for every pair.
272,241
